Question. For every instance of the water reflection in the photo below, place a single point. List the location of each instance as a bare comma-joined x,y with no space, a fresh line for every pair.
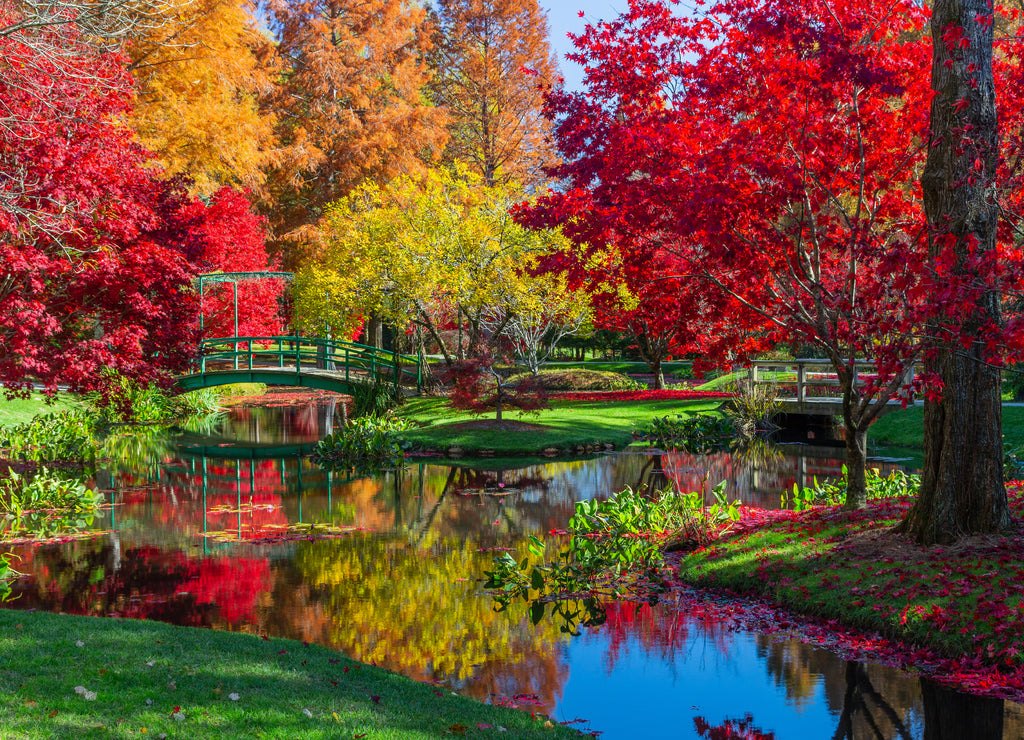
230,528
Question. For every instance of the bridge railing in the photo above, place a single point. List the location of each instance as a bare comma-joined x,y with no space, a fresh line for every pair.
808,379
353,361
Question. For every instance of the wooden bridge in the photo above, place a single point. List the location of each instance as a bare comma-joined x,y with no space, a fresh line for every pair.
307,362
811,387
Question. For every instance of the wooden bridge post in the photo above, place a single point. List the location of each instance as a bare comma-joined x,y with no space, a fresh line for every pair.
801,381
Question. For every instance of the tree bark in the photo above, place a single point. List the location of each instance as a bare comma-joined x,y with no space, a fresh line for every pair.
962,489
375,331
856,466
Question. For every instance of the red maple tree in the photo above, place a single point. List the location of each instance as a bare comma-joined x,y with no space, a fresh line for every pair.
773,150
82,287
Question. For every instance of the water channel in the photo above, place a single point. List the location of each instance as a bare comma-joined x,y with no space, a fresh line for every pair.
213,530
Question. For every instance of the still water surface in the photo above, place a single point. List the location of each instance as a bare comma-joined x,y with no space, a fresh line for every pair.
213,530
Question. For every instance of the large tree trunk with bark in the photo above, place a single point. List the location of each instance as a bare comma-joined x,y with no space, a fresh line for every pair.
962,489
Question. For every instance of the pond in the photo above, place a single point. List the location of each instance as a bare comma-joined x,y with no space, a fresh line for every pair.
234,529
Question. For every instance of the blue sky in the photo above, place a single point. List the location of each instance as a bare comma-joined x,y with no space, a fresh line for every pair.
563,18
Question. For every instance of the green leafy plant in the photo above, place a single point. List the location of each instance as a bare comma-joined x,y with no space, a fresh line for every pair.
754,407
7,575
374,399
366,444
45,503
122,400
202,402
695,433
615,551
65,435
832,492
1013,463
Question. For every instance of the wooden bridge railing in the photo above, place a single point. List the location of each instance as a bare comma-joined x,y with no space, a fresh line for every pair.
814,375
356,362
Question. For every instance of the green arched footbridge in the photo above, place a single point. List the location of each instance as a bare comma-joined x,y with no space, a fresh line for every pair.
308,362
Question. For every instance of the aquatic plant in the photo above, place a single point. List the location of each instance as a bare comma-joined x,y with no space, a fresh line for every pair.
616,550
64,435
365,444
831,492
45,503
695,433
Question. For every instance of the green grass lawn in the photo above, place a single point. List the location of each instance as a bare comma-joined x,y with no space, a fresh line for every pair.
566,424
151,679
18,410
905,427
626,367
850,566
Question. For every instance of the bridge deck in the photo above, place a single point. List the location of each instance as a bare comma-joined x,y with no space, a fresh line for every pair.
299,361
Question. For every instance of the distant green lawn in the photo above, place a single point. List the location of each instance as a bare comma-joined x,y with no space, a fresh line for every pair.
566,424
17,411
905,428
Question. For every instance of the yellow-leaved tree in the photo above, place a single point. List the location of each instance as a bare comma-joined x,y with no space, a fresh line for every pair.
441,253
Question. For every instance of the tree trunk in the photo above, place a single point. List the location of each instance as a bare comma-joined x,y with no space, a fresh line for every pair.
856,466
375,331
962,489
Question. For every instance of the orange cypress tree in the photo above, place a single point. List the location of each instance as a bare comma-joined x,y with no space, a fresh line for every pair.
200,76
490,58
351,102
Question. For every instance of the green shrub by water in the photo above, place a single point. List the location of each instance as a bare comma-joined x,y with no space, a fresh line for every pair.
45,503
833,492
374,399
63,435
366,444
695,433
615,551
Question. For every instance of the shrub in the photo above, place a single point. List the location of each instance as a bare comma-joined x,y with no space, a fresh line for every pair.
696,433
365,445
581,380
374,399
45,504
754,407
64,435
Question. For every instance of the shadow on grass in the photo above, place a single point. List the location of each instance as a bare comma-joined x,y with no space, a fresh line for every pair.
145,673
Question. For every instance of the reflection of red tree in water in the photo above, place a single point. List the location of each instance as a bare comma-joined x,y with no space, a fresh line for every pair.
731,729
662,629
144,583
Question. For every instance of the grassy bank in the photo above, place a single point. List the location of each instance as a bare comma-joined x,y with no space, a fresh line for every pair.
905,428
961,601
20,410
150,678
567,424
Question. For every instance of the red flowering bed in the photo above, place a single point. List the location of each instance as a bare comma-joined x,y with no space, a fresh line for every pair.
955,613
662,395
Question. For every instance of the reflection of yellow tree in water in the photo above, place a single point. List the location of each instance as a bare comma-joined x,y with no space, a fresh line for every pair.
414,611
